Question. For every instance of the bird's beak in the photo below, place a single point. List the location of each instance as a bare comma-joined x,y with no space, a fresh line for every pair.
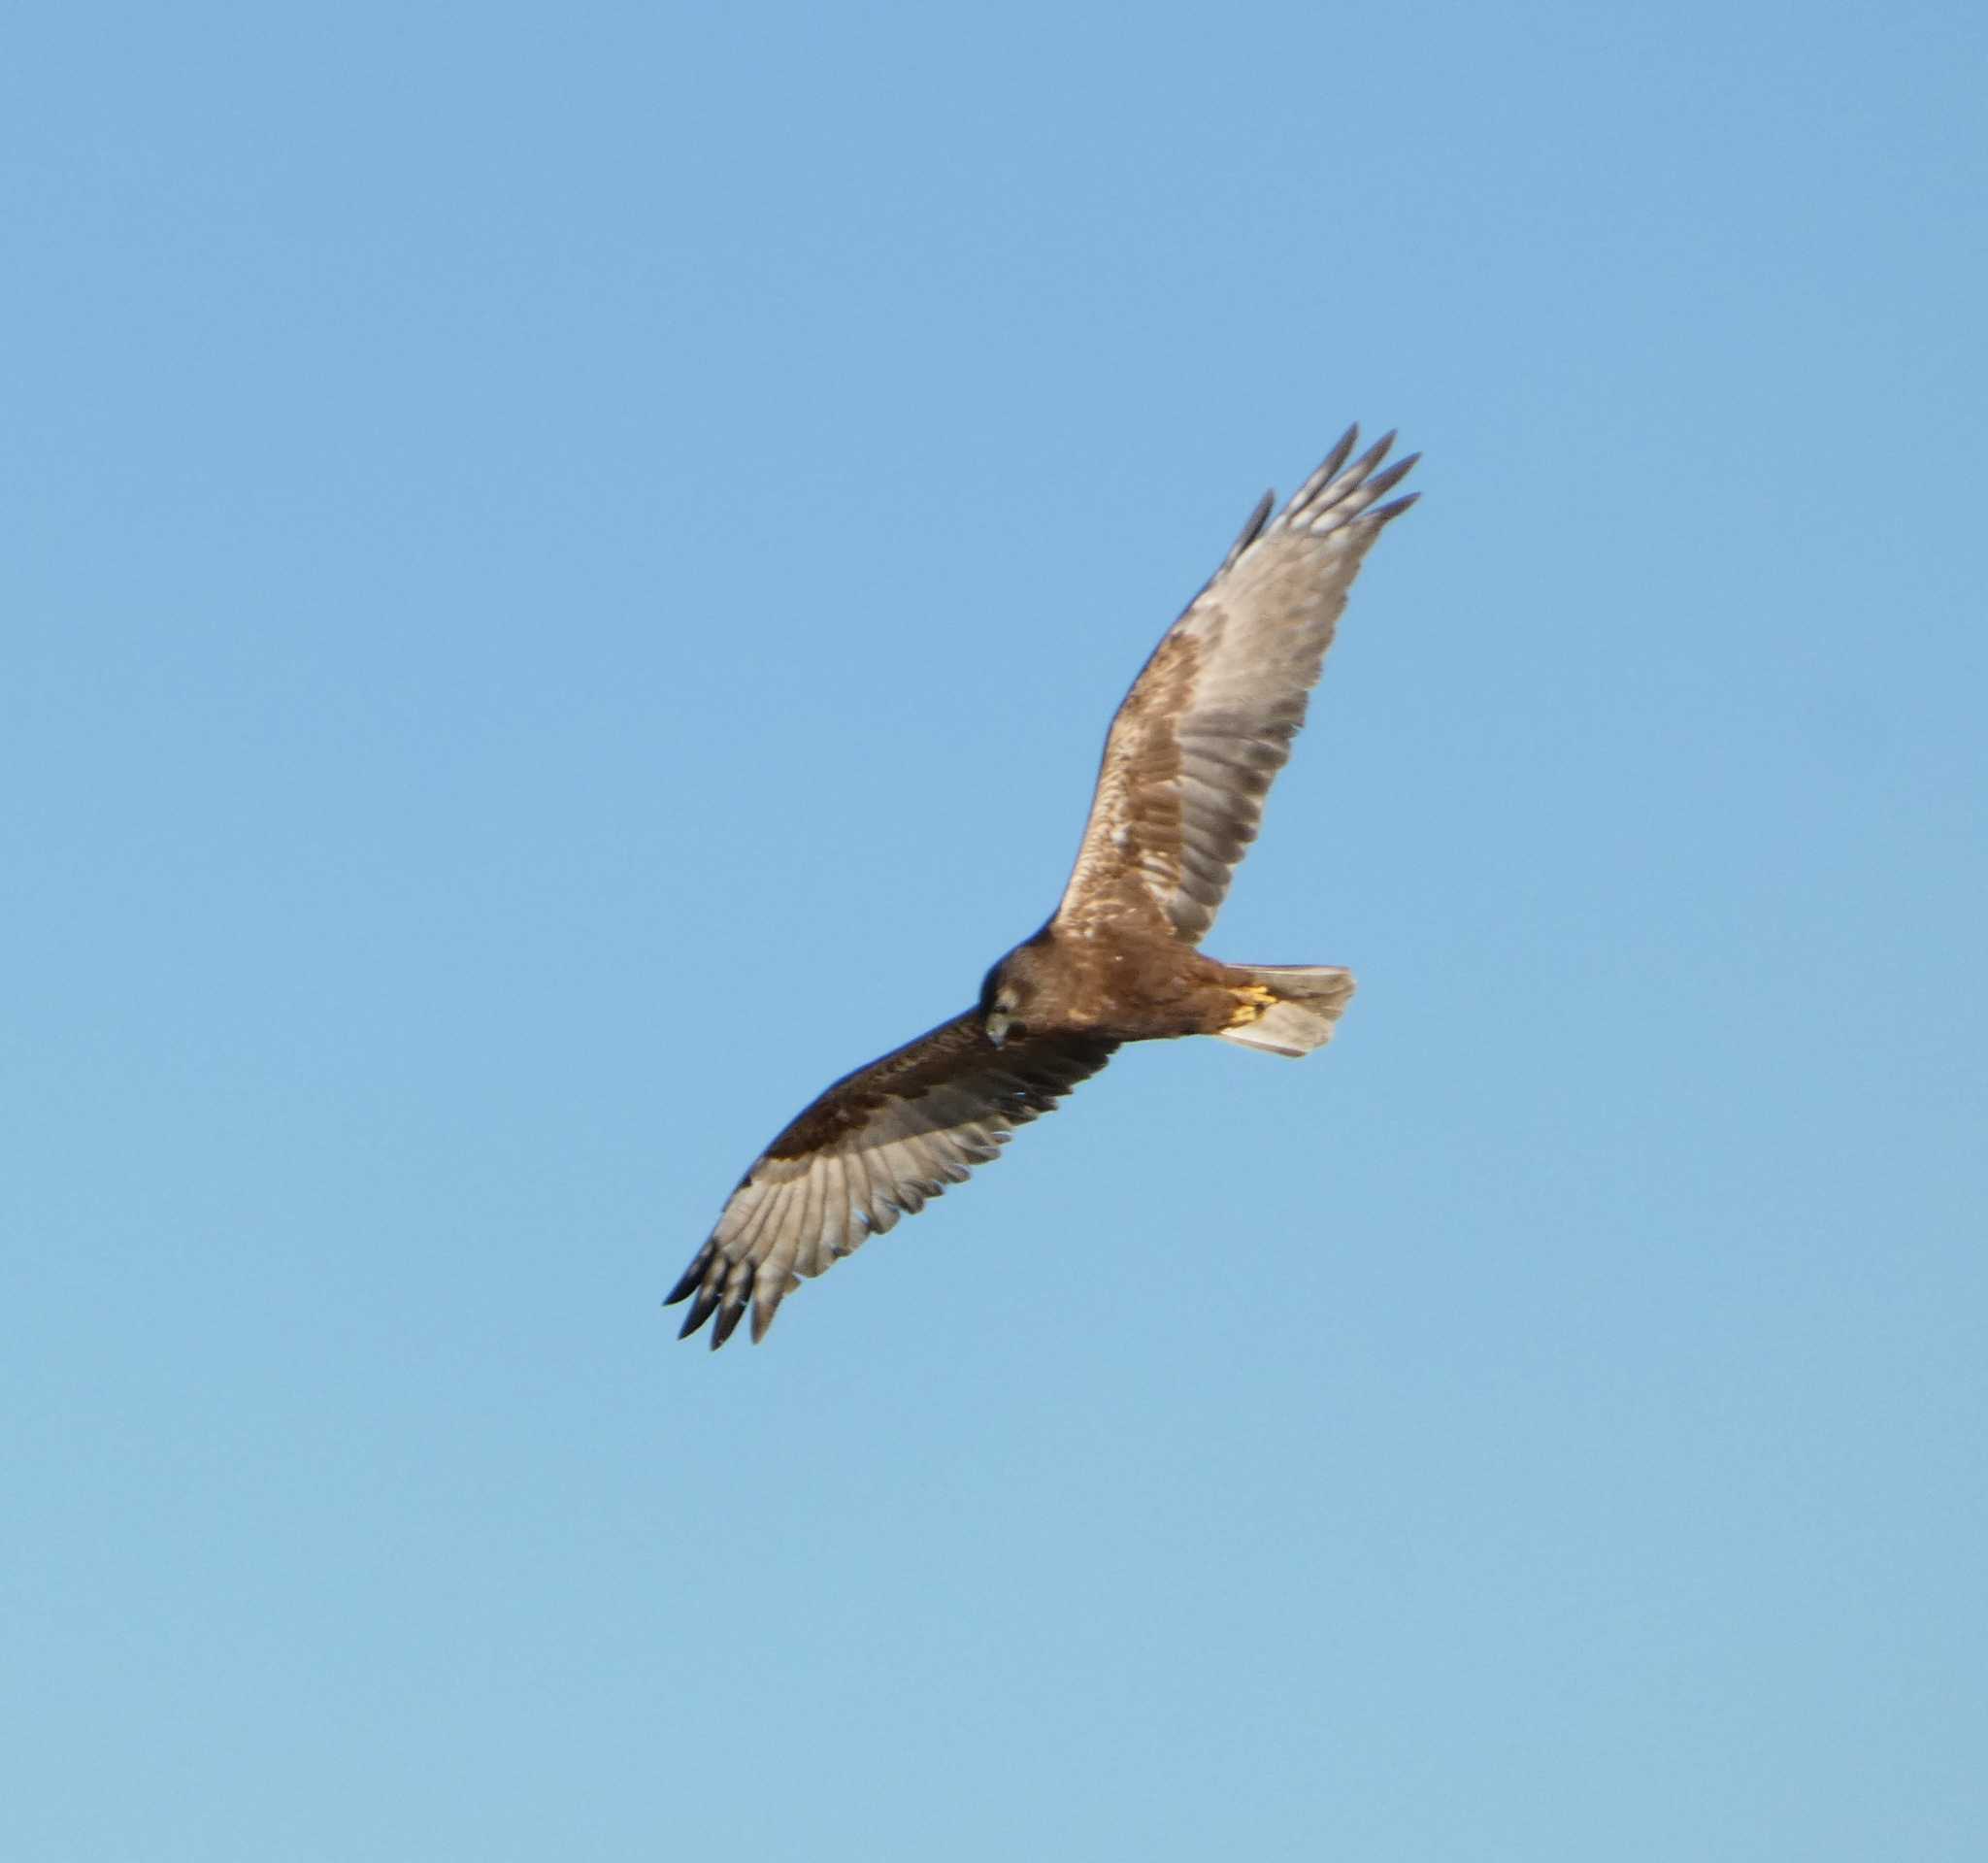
997,1026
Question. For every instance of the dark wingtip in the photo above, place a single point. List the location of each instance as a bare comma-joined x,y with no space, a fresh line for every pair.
691,1279
1326,473
1383,481
1253,529
1373,454
707,1300
727,1322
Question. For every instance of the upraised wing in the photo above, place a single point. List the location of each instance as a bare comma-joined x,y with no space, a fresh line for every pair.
876,1146
1209,722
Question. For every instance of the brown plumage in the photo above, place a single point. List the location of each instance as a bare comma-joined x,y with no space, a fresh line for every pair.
1191,756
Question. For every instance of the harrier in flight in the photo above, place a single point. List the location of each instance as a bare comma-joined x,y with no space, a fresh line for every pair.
1187,763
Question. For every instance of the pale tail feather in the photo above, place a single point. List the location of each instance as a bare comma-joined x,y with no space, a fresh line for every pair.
1309,999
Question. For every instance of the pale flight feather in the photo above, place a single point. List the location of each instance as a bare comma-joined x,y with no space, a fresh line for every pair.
1209,722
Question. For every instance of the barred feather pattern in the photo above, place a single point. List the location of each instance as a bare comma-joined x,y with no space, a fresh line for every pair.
1209,722
879,1143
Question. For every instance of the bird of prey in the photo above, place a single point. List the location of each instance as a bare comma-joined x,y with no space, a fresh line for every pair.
1187,762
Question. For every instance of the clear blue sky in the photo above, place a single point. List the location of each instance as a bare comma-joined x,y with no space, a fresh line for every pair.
564,572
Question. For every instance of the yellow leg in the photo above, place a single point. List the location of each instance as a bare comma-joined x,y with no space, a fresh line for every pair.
1252,1004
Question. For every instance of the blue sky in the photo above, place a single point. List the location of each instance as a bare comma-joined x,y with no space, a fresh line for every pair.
564,574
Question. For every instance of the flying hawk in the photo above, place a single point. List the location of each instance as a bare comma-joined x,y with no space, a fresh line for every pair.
1187,763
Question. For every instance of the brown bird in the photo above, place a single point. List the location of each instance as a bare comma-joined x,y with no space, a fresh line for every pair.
1187,763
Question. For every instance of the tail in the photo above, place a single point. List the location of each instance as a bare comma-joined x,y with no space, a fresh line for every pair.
1286,1008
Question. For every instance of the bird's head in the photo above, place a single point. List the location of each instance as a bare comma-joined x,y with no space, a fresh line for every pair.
1008,993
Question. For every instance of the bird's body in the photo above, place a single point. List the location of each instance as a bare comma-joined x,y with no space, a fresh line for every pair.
1141,989
1188,761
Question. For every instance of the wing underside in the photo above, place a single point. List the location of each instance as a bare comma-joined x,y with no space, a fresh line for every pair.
878,1145
1208,722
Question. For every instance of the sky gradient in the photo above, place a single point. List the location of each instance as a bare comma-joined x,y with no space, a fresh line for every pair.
564,576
